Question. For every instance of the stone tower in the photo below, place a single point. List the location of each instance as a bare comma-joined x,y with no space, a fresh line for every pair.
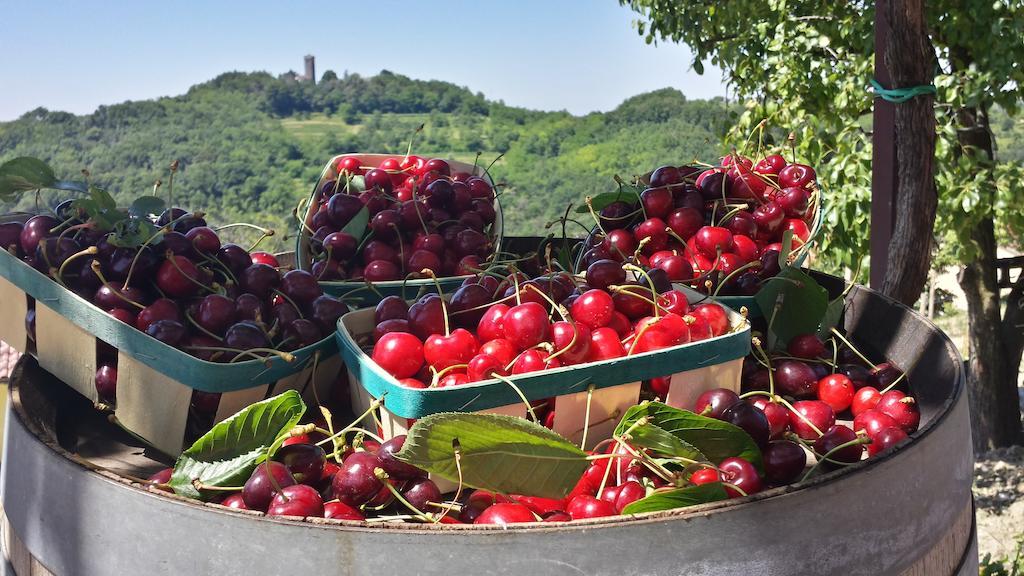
310,68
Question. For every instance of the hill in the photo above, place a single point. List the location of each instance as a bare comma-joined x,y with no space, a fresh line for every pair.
250,145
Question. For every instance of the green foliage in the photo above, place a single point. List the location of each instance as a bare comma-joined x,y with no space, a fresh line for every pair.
806,64
227,454
678,498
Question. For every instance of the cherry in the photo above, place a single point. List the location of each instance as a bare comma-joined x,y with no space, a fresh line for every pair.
713,240
604,273
783,462
426,316
794,201
356,484
108,296
491,325
571,341
807,346
665,176
833,438
865,399
795,378
234,501
297,500
250,307
705,476
421,493
216,312
259,489
178,277
203,240
768,217
873,421
440,352
393,466
233,256
584,506
35,229
738,473
857,374
714,184
501,349
170,332
751,419
817,413
771,164
300,286
629,492
505,513
259,279
714,315
902,409
605,345
886,439
713,403
106,381
399,354
10,237
652,229
160,309
531,361
245,336
265,258
620,324
796,175
305,462
527,325
883,375
837,391
340,511
615,215
468,305
657,202
620,244
685,222
801,233
382,271
391,308
325,312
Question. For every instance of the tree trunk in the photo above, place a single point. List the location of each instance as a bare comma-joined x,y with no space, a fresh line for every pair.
995,338
910,59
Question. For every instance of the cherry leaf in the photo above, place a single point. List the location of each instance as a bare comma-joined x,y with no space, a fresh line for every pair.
681,498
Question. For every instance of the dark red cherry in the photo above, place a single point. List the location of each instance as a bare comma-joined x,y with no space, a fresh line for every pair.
260,489
783,462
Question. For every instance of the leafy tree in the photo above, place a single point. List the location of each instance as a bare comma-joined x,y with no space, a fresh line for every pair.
805,64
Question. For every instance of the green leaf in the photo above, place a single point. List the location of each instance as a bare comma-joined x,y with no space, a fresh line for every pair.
357,225
716,440
830,320
102,198
664,442
132,232
803,304
145,206
22,174
628,194
499,453
228,453
681,498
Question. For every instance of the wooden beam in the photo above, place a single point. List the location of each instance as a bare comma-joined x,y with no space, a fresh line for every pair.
883,156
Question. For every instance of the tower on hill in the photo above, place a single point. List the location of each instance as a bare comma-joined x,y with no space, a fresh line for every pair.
310,75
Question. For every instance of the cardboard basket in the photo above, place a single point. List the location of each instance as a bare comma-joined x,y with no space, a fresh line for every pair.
154,381
609,387
357,292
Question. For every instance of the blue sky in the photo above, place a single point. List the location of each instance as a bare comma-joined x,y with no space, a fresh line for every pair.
578,55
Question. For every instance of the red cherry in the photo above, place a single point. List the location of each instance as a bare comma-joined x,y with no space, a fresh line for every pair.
807,346
526,325
620,324
178,279
657,202
584,506
652,229
593,308
886,439
341,511
660,385
865,399
629,492
801,233
531,361
777,415
745,248
738,473
491,325
454,378
484,367
768,217
814,411
796,175
711,240
873,421
714,315
685,222
705,476
505,513
794,201
503,350
571,341
902,409
837,436
399,353
538,505
837,391
713,403
677,267
440,351
620,243
350,165
772,164
674,301
605,345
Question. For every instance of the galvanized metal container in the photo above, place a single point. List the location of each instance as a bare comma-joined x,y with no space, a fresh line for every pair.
909,512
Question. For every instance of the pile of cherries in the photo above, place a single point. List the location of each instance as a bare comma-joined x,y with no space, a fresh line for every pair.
422,216
722,225
493,327
185,287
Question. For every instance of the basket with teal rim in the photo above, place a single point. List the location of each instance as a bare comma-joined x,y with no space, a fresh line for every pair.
604,389
360,293
155,381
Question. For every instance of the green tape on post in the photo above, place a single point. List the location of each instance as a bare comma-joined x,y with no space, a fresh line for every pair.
900,95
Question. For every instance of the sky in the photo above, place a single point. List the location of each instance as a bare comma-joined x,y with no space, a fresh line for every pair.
575,55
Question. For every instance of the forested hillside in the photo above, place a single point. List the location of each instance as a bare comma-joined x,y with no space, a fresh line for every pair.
250,146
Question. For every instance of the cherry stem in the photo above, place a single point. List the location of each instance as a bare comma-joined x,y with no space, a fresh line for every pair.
440,292
756,342
250,352
650,282
198,485
171,258
266,231
383,477
597,219
786,403
644,459
96,269
894,383
522,396
60,272
839,335
826,457
373,406
586,413
263,236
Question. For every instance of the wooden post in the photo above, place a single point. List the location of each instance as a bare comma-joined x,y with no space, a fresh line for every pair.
883,156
